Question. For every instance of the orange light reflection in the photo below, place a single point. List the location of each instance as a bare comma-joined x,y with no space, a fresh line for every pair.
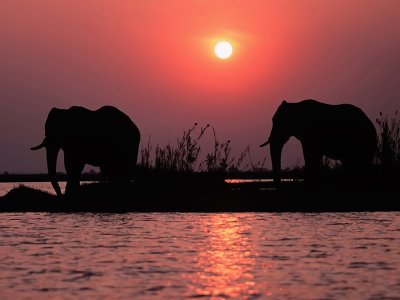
226,264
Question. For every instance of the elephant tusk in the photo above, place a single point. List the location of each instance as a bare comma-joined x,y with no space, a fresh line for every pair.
43,144
265,144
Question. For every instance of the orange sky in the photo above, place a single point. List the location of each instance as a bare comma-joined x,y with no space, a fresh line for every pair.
154,60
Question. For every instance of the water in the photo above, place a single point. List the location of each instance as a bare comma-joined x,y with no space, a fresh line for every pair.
189,255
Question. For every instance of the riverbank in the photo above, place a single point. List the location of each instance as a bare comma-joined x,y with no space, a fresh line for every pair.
206,194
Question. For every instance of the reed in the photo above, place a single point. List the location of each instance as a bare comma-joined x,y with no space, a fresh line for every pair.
388,143
181,157
184,155
220,158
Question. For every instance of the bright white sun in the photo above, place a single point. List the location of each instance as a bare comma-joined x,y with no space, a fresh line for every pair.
223,50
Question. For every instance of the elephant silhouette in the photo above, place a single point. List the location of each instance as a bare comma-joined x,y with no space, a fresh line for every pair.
105,138
342,132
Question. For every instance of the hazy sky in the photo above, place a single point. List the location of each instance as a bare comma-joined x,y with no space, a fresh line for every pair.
154,60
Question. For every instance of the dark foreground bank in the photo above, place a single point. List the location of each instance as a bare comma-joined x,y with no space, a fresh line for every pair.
207,195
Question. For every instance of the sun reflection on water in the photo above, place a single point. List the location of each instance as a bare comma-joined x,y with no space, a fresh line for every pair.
226,264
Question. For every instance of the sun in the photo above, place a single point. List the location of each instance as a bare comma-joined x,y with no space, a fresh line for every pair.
223,50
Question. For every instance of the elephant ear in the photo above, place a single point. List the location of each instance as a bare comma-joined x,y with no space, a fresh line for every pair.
55,121
282,106
53,115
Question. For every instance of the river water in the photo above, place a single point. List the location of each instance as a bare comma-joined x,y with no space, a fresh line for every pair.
192,255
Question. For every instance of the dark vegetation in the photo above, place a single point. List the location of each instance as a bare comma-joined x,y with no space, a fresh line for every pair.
187,195
388,151
184,157
180,177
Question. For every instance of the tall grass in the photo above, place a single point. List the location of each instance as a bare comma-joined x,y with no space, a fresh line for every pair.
180,158
145,162
220,159
388,147
184,155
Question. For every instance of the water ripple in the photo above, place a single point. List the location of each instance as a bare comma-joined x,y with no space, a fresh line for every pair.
220,256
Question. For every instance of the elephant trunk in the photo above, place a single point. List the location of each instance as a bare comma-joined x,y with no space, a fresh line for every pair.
276,152
52,153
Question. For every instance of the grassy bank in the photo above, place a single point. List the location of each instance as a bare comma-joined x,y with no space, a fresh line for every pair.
207,194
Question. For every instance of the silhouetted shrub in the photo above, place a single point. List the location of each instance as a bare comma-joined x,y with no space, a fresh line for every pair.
145,161
181,158
184,156
220,158
388,147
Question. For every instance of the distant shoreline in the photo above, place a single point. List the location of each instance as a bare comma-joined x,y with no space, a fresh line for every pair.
203,195
157,191
43,177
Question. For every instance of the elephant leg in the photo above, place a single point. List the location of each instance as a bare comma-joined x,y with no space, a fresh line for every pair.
358,171
124,165
133,170
105,172
112,175
109,172
119,170
121,174
74,167
312,160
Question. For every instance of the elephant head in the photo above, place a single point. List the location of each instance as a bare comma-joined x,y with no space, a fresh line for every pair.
283,127
55,130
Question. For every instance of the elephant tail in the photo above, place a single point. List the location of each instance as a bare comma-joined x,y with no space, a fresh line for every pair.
43,144
265,144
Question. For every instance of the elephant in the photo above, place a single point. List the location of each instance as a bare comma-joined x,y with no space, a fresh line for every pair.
106,138
341,132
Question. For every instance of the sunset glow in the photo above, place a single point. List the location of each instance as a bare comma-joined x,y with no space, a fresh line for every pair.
223,50
159,63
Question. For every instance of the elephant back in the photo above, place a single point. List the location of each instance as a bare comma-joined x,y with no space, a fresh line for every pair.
116,125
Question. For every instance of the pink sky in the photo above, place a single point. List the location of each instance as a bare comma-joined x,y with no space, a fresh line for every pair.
154,60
